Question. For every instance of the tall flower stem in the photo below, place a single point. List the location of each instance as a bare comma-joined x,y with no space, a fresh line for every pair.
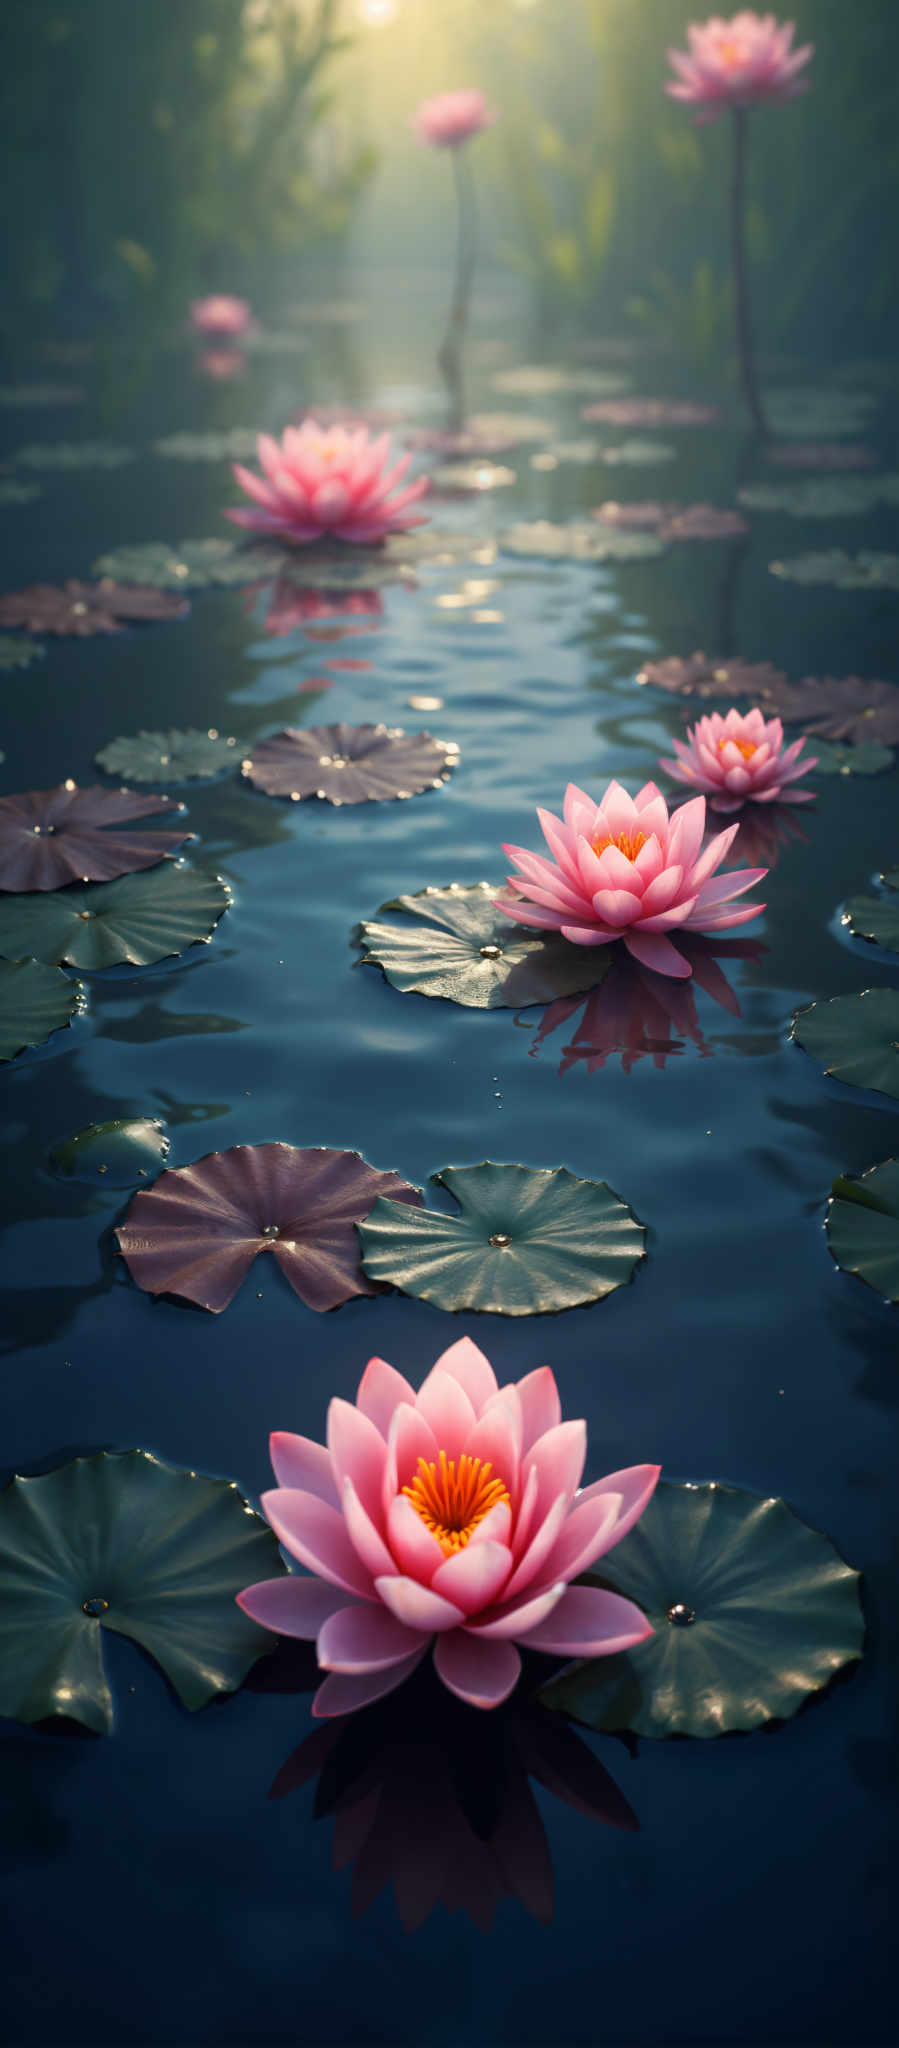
742,312
450,353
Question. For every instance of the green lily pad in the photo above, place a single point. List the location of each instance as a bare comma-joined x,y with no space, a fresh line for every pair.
837,758
236,444
876,917
856,1038
823,497
868,570
814,412
182,565
19,650
461,948
13,492
35,1001
73,455
579,541
752,1612
525,1241
862,1224
125,1542
546,380
188,756
139,918
126,1149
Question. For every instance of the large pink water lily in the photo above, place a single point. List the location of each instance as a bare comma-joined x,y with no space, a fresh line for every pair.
741,758
449,1518
622,869
743,62
319,480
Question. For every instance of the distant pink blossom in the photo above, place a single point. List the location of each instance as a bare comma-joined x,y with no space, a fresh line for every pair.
450,1519
622,869
741,758
747,61
453,117
220,315
221,363
327,480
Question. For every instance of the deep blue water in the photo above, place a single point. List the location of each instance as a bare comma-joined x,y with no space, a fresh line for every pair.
155,1894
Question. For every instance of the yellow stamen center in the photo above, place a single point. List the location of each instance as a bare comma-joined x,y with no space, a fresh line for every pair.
744,747
628,843
451,1503
730,53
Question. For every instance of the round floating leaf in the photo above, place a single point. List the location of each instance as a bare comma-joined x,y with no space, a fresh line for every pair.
462,948
672,521
808,412
877,917
472,476
856,1038
236,444
862,1224
35,1001
868,758
140,918
868,570
349,764
125,1542
125,1150
24,395
73,455
525,1241
652,412
821,455
82,609
716,675
173,756
854,708
827,497
580,541
544,380
18,651
15,493
637,452
752,1612
52,836
182,565
198,1230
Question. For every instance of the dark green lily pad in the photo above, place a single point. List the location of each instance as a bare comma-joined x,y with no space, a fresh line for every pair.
876,917
862,1224
834,757
35,1001
856,1038
236,444
181,565
13,492
125,1150
139,918
22,396
125,1542
73,455
461,948
188,756
579,541
823,497
868,570
752,1612
525,1241
18,650
814,412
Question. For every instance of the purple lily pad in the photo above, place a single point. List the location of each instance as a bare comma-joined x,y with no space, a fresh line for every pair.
702,675
52,836
652,412
840,708
84,608
196,1232
673,521
349,764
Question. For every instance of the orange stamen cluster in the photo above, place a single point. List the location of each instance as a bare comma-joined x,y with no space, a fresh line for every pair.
628,843
744,747
451,1503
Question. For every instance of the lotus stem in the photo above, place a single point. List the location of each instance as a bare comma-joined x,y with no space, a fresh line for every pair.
742,310
450,352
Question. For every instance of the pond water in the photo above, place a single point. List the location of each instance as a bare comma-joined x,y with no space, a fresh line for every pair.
156,1892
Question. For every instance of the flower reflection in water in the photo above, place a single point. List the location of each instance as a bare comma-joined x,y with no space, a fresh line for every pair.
291,608
762,834
221,363
439,1800
644,1015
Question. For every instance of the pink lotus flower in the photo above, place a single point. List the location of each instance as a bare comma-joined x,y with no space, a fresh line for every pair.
449,1517
453,117
741,759
334,480
622,869
743,62
220,315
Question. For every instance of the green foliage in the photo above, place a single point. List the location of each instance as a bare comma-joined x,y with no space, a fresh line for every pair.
566,201
695,319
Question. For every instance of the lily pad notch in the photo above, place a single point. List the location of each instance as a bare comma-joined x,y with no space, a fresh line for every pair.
862,1225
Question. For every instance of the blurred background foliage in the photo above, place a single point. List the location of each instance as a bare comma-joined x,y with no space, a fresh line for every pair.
163,148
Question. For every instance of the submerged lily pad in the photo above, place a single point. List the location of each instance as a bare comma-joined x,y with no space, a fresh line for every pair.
73,455
122,1541
868,570
124,1150
188,756
462,948
236,444
525,1241
182,565
52,836
140,918
868,758
35,1001
349,764
12,492
856,1038
752,1611
862,1224
198,1230
18,651
652,412
809,412
716,675
877,917
579,541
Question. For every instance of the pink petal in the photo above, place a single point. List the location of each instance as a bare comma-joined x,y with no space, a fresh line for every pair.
558,1458
661,893
381,1389
342,1695
446,1408
318,1537
474,1577
542,1545
586,935
653,950
589,1622
495,1528
589,1531
416,1605
298,1462
525,1518
465,1363
496,1439
291,1606
517,1617
617,907
366,1538
417,1553
484,1674
358,1452
360,1639
636,1485
540,1404
409,1439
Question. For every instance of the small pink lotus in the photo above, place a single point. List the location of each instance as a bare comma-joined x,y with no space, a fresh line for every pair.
220,314
453,117
741,759
744,62
622,869
451,1518
327,480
